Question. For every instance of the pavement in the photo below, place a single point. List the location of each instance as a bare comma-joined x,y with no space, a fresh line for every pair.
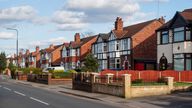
177,100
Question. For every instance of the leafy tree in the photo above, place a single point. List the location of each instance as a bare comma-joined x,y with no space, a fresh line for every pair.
12,68
90,64
3,61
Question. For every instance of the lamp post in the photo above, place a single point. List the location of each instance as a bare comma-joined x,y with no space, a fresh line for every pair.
17,60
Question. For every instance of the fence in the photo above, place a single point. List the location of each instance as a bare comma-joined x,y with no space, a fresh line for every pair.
118,86
47,79
151,75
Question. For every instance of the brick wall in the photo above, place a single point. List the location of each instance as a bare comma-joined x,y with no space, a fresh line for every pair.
144,43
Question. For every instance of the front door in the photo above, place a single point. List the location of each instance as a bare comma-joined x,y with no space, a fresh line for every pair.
139,66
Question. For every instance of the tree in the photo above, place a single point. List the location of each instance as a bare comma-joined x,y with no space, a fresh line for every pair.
3,61
90,64
12,68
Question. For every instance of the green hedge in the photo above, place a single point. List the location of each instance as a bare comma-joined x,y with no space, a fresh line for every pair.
61,74
34,70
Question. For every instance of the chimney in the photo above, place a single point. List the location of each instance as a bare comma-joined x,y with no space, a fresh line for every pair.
119,24
37,48
51,46
77,38
27,52
162,20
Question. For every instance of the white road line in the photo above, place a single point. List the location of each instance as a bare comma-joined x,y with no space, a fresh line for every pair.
19,93
7,88
39,101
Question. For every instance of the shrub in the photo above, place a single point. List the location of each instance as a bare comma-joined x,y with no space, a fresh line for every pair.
161,80
61,75
34,70
137,81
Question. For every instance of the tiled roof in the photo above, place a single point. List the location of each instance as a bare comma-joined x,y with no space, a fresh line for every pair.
186,14
82,42
133,29
104,36
49,50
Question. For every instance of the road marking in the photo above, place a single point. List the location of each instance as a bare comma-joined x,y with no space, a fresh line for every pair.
39,101
7,88
19,93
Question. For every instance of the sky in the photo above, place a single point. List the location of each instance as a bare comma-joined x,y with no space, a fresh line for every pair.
45,22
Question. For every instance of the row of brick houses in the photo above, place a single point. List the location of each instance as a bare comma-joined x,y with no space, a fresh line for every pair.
149,45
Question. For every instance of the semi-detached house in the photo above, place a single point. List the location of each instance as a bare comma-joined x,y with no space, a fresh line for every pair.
74,53
174,50
131,47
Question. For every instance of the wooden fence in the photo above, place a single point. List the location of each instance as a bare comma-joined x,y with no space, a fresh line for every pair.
151,75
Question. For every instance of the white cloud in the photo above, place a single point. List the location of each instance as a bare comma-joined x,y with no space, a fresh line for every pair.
20,13
152,1
45,43
6,35
74,16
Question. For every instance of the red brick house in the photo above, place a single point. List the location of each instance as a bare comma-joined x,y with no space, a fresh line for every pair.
73,53
51,56
131,47
34,58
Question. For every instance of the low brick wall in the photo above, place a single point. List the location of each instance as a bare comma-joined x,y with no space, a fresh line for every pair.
22,77
47,79
111,89
123,89
141,91
62,81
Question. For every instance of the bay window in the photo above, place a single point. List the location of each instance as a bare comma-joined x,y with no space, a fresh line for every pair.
179,62
182,62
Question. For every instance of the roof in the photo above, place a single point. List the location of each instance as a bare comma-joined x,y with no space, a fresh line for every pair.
186,15
49,50
104,36
82,42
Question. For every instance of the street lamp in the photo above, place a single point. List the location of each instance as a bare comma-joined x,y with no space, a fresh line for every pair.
16,44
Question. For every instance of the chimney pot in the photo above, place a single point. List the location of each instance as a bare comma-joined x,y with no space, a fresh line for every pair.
77,38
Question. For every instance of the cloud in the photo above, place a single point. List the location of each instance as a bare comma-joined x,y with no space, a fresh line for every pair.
74,16
18,14
45,43
160,1
6,35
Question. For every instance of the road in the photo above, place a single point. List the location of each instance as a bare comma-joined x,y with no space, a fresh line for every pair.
21,96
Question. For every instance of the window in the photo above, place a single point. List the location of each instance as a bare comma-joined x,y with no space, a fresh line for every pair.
112,63
179,62
112,46
117,45
104,64
105,47
164,37
100,46
178,34
188,34
117,63
125,45
188,62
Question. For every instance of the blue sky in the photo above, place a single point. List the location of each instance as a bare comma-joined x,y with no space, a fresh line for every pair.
43,22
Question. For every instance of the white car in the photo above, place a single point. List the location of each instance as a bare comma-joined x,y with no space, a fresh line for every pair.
53,68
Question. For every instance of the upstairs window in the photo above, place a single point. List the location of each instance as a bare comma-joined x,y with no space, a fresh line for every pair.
178,34
164,37
188,33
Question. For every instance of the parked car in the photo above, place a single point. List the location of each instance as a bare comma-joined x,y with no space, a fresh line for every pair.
53,68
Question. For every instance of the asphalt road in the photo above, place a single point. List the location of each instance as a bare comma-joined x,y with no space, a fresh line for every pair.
21,96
